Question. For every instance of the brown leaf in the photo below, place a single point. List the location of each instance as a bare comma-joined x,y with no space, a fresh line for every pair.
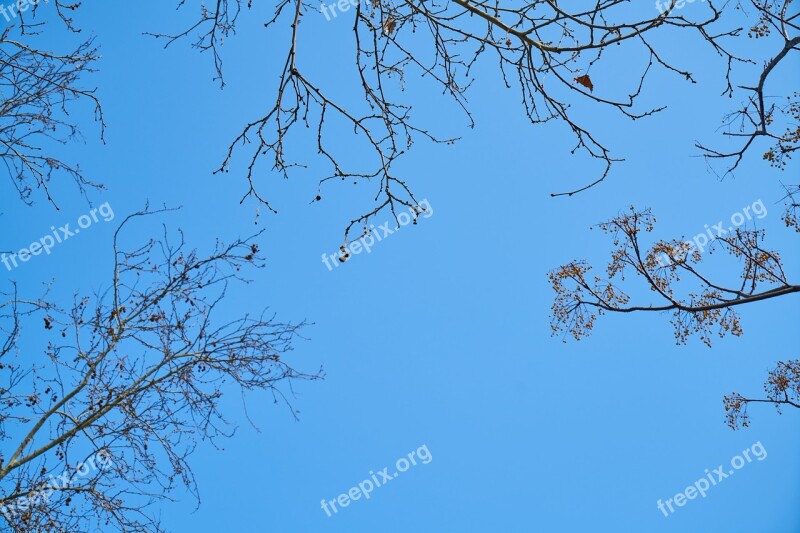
388,25
586,81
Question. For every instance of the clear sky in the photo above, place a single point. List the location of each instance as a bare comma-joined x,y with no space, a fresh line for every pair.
440,337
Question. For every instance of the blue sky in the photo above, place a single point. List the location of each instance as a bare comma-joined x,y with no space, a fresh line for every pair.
440,336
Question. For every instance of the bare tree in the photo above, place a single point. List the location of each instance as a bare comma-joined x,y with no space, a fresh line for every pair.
761,116
133,379
701,302
39,90
547,51
551,54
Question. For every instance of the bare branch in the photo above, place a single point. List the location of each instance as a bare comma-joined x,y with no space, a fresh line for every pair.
137,374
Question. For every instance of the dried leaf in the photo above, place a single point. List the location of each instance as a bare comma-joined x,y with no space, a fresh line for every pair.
389,25
586,81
